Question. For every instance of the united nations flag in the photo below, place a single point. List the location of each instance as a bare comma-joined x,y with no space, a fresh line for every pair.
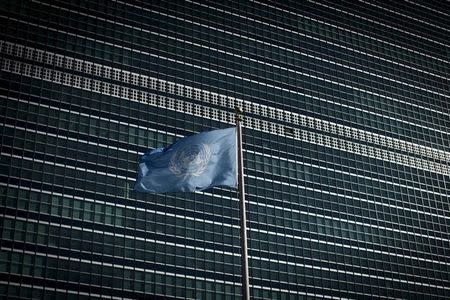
193,163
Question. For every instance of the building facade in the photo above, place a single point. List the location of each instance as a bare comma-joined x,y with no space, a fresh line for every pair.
346,148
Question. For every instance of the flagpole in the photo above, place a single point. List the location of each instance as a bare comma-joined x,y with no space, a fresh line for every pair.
242,213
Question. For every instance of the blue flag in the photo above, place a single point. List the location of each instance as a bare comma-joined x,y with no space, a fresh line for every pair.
193,163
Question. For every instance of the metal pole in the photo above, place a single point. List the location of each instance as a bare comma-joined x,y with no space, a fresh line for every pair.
242,213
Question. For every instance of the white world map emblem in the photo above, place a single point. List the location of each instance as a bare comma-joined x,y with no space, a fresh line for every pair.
190,160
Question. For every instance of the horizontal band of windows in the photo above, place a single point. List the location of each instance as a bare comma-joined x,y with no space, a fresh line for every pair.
115,260
106,248
376,269
413,234
319,26
71,157
249,150
305,121
393,247
144,221
310,29
108,219
435,11
351,255
358,286
139,32
341,90
137,273
113,169
391,44
111,189
259,292
67,205
250,188
401,207
429,22
110,141
125,167
78,117
351,276
172,252
71,239
230,119
184,212
304,235
82,112
28,288
215,25
199,240
162,137
333,199
292,212
136,78
362,112
399,36
113,238
217,31
304,184
70,117
403,102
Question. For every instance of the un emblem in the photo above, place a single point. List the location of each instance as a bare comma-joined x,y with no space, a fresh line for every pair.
190,160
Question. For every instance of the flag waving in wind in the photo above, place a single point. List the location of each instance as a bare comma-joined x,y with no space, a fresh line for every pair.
193,163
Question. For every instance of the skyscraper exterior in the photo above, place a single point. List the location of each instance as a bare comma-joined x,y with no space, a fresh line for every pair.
346,148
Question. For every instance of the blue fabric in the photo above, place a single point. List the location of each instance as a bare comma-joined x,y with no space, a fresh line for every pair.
193,163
